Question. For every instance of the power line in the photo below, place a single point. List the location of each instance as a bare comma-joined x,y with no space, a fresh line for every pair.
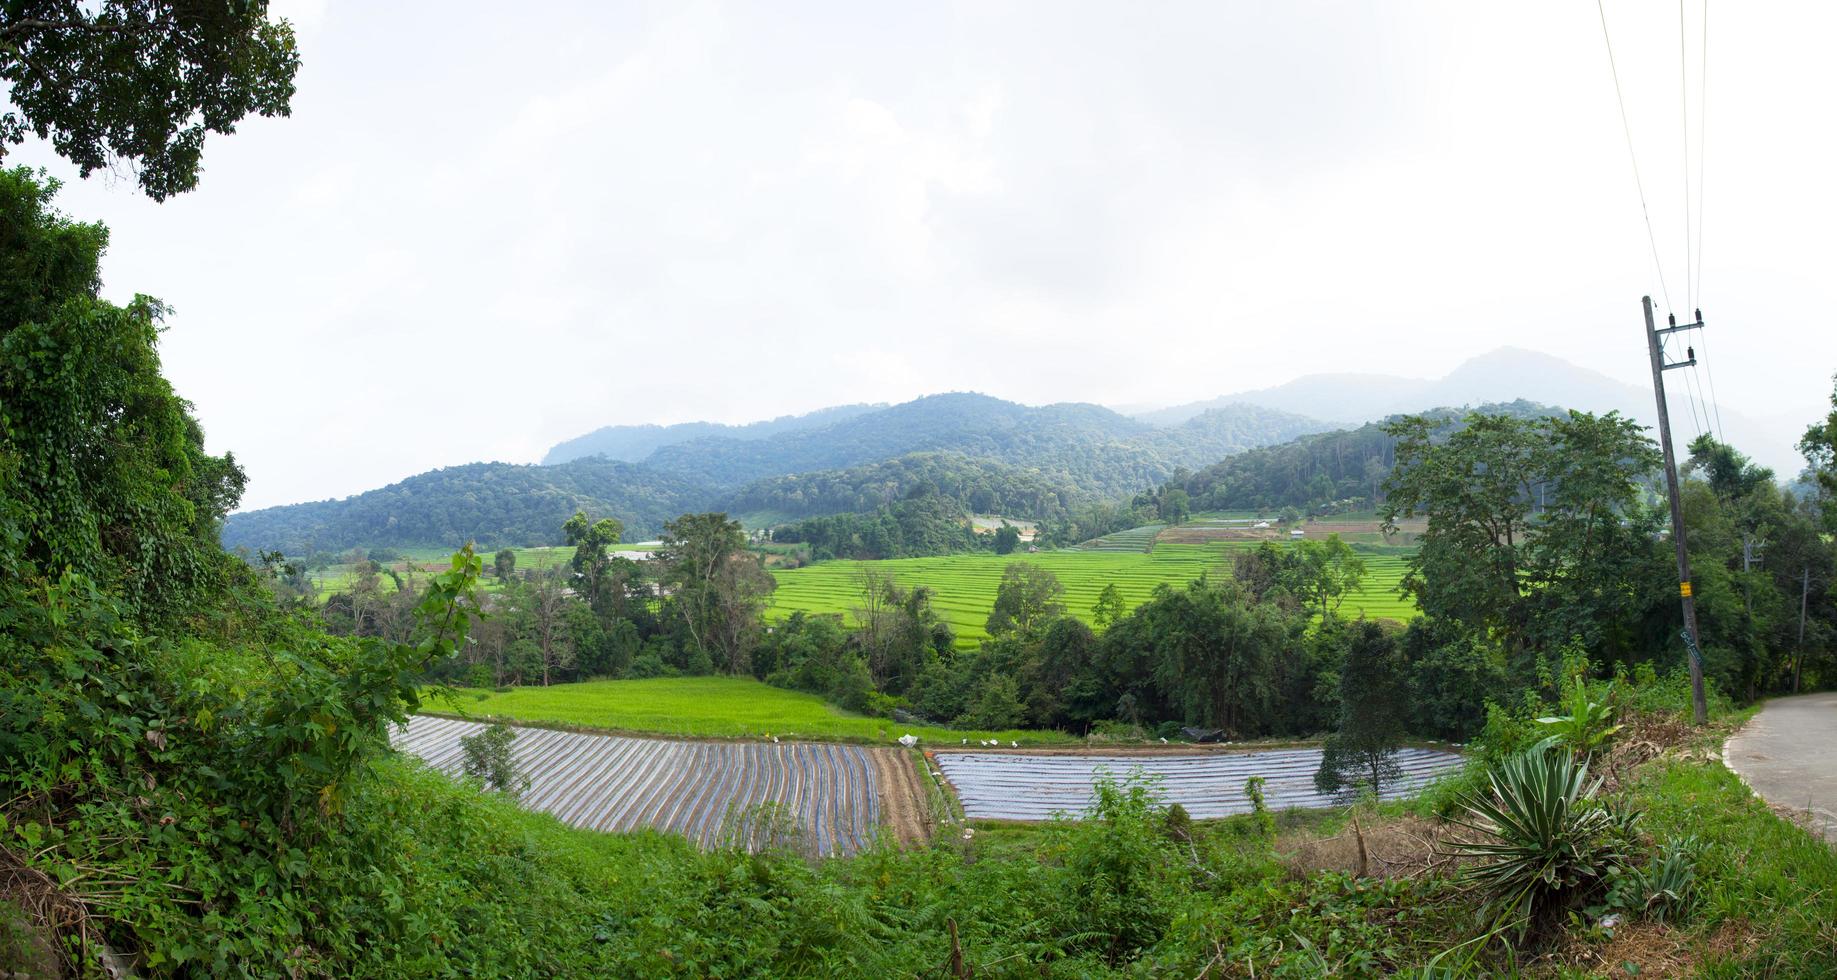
1684,114
1709,365
1702,142
1627,128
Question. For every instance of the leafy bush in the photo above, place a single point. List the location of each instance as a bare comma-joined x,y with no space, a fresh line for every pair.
1547,843
1121,871
488,759
1588,723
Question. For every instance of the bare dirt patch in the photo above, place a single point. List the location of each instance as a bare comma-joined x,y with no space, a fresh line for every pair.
1408,847
903,804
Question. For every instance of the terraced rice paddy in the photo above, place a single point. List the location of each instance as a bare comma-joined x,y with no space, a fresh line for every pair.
837,796
1019,786
963,585
1135,539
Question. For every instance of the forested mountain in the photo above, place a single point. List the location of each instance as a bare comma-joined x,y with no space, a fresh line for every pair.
496,504
986,454
1319,468
632,443
979,486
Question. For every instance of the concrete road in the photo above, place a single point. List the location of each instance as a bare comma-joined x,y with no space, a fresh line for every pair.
1788,754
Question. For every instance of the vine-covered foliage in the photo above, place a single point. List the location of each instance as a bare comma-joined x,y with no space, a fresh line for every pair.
106,470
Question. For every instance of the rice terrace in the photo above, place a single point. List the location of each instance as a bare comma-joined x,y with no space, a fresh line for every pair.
963,585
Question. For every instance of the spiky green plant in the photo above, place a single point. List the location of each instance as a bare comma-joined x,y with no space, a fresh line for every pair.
1547,842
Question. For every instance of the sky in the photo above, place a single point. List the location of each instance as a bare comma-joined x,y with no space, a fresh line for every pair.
480,234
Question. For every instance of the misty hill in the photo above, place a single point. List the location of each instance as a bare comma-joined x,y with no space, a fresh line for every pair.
1090,446
632,443
1320,468
1503,375
496,504
985,449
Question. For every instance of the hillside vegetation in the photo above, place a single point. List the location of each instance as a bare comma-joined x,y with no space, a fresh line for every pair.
987,454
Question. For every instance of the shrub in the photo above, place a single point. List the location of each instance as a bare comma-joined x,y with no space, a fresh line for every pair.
1121,871
1548,843
1587,723
488,759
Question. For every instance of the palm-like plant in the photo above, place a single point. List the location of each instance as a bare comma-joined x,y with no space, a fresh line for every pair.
1547,841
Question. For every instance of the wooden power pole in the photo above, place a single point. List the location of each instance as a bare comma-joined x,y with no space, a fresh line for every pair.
1699,708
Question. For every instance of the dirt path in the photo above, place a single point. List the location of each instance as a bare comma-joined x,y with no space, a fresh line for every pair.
1788,755
902,796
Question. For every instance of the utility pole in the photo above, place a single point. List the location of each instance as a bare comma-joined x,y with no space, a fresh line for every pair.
1700,709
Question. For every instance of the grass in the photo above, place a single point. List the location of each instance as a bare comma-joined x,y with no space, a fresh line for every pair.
1760,875
963,585
702,707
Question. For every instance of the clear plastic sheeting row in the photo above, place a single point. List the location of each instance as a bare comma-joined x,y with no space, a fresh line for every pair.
818,798
1020,786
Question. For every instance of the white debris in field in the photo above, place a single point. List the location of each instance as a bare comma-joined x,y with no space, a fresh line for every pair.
908,740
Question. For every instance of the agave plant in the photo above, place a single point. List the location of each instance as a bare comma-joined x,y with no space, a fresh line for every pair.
1587,725
1546,839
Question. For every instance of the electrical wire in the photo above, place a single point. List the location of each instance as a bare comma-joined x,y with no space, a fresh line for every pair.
1684,115
1709,366
1696,301
1627,128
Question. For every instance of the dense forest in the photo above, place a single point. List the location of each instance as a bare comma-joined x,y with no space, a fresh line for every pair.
495,504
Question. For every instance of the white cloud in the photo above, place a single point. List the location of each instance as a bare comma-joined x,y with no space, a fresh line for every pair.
479,235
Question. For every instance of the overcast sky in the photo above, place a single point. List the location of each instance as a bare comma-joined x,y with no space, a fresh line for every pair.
480,234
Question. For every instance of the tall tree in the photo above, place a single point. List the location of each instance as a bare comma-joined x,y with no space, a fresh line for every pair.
593,560
141,81
1534,580
1027,599
1374,703
504,563
717,588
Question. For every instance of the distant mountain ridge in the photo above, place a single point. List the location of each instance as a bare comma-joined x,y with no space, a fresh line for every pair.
633,443
1502,375
981,447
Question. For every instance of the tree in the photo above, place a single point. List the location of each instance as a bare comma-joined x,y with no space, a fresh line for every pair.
1374,702
1819,446
1324,572
504,564
1025,601
1216,656
1535,581
1007,538
593,558
548,610
141,80
717,589
1109,607
102,466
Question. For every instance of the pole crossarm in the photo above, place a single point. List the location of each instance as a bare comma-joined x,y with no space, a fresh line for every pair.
1661,331
1678,364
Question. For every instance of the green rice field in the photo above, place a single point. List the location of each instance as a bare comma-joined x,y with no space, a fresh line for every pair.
698,707
963,585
